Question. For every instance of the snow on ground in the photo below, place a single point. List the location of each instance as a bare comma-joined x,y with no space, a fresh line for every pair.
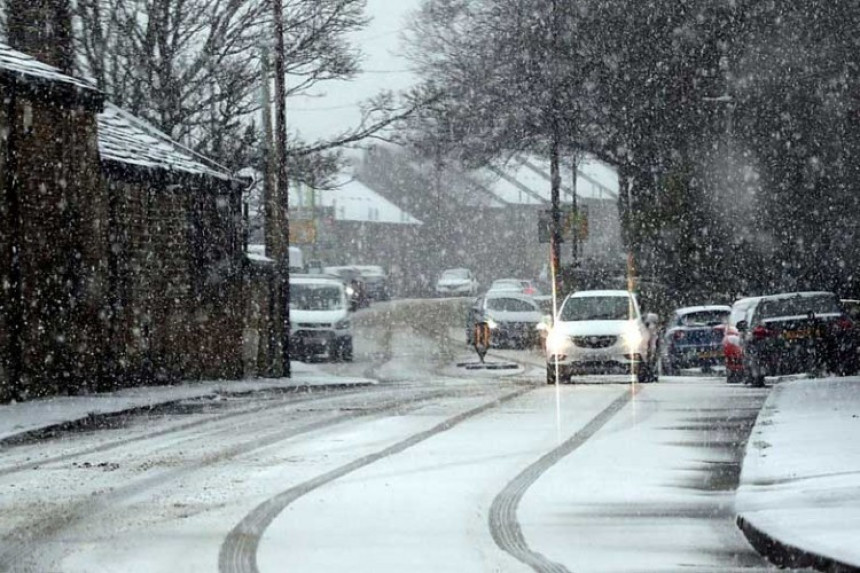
652,490
42,413
184,522
801,477
426,508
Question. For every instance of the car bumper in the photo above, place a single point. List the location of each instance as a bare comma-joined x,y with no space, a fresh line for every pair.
616,358
453,290
316,342
504,334
695,356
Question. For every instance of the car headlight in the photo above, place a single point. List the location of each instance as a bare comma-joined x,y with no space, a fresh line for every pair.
342,324
632,338
556,342
350,291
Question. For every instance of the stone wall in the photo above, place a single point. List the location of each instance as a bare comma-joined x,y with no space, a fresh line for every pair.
176,286
54,212
127,276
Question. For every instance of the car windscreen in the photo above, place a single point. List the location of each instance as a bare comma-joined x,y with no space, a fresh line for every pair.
596,308
507,284
315,297
704,318
510,305
798,306
456,274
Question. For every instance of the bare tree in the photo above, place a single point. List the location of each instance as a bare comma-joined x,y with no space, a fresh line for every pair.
192,67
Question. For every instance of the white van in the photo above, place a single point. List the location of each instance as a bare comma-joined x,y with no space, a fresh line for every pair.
319,318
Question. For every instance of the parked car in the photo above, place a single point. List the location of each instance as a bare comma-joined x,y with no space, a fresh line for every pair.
356,288
512,319
319,318
376,281
602,332
457,282
794,333
732,350
517,285
694,338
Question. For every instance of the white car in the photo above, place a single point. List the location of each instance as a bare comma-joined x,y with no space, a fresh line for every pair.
457,282
319,318
602,332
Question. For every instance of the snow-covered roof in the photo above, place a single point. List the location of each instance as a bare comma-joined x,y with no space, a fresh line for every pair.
590,293
27,70
705,308
525,180
127,139
352,200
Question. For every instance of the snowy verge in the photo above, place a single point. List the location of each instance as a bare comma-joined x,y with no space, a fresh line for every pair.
799,495
24,417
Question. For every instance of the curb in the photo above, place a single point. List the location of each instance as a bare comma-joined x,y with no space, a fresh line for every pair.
98,418
784,555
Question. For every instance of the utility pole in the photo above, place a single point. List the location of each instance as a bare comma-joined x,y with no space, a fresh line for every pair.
574,235
272,224
554,156
282,260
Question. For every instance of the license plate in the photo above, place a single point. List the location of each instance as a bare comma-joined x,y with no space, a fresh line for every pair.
796,334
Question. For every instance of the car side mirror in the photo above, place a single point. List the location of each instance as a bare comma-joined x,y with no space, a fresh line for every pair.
742,326
651,320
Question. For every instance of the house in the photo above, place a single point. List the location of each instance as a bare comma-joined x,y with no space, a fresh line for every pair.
354,224
120,250
345,222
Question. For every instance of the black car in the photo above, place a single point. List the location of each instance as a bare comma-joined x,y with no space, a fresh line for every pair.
376,282
795,333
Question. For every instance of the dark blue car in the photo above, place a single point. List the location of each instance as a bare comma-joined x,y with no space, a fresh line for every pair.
694,338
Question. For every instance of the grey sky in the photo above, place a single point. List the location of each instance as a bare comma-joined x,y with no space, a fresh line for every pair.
334,107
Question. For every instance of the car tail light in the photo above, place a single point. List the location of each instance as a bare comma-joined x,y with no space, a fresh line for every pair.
679,334
529,290
845,323
760,332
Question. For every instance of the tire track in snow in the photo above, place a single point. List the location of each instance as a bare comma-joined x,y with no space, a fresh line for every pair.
19,547
504,526
215,419
239,551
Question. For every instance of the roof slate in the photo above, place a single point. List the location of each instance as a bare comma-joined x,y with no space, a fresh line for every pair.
30,72
127,139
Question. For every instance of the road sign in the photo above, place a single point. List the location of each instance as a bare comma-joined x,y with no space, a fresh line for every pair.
303,232
570,220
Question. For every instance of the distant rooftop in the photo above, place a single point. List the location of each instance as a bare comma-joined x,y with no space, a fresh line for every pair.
352,200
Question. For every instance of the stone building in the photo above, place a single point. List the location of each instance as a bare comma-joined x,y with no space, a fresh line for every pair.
53,236
120,250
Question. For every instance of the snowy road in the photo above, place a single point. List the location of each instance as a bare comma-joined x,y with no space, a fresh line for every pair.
423,472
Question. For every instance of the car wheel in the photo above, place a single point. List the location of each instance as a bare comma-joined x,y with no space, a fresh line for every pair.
669,368
550,375
646,373
345,349
734,377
